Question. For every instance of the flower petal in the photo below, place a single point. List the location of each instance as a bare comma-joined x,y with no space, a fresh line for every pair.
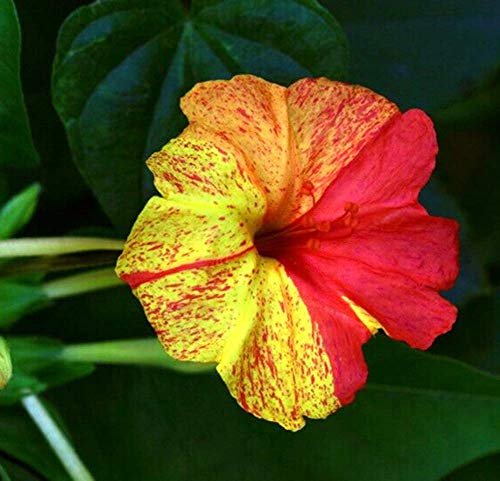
201,167
252,114
343,334
296,140
168,237
247,315
389,172
211,210
406,310
406,241
331,122
194,310
274,362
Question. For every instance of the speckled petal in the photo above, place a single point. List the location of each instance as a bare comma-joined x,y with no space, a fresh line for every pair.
388,173
331,122
252,114
247,315
170,236
194,310
274,362
342,333
211,209
202,167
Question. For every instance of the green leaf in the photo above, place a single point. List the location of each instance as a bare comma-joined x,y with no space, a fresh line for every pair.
18,299
479,106
17,471
16,147
5,363
485,469
420,53
18,211
20,438
4,475
122,65
421,417
37,368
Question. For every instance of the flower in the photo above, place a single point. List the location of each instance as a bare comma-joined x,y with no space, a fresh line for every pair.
288,232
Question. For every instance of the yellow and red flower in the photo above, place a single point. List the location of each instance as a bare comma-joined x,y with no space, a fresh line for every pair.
288,232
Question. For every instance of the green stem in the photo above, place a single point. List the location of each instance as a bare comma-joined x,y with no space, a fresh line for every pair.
50,246
145,352
66,262
81,283
56,439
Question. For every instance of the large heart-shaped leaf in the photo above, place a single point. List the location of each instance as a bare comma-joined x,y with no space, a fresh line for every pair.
420,53
122,66
421,417
16,147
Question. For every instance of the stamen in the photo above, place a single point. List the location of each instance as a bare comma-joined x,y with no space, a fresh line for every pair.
307,189
351,207
313,244
324,226
308,226
350,218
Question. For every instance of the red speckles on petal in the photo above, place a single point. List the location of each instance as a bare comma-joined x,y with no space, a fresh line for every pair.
331,123
193,310
270,357
289,232
251,114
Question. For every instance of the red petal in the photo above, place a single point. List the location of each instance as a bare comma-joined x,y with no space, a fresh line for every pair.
342,333
331,123
389,172
406,241
407,311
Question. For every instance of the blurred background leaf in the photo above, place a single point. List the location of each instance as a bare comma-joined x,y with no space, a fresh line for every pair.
420,53
425,417
121,67
17,153
36,368
25,448
17,212
484,469
18,299
475,337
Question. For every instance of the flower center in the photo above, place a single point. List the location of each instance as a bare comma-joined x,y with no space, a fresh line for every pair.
308,233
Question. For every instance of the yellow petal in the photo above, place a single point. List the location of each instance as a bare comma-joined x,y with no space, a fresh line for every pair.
169,236
194,310
274,362
252,114
210,212
246,315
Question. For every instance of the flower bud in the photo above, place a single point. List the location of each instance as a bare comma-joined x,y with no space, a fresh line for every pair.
5,364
